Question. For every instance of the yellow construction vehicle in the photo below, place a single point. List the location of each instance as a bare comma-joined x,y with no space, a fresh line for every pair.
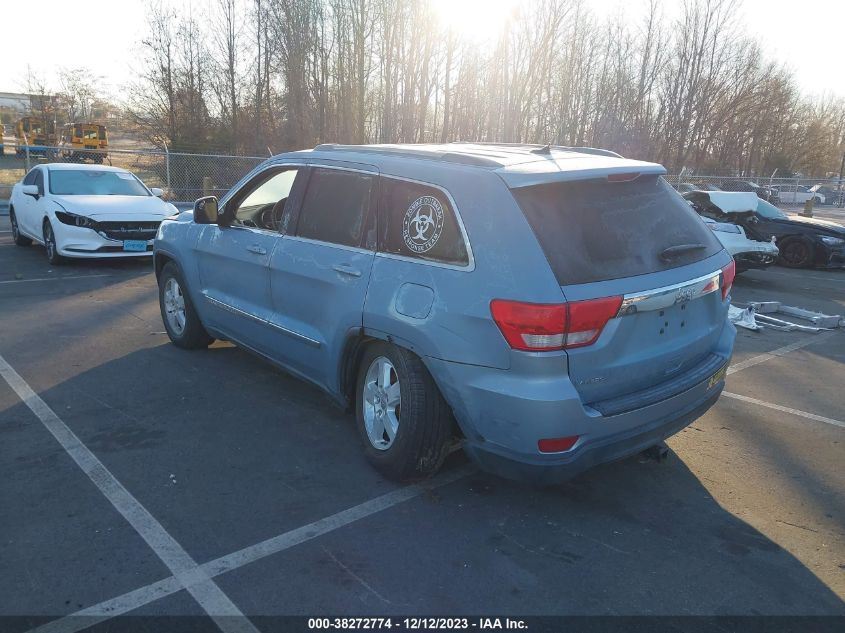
34,134
82,141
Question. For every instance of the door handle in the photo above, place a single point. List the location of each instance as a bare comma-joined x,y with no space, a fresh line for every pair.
346,269
255,248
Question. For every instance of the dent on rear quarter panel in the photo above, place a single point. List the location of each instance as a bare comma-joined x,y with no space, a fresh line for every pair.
508,264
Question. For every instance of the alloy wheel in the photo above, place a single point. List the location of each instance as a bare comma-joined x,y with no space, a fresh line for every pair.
174,306
49,241
382,403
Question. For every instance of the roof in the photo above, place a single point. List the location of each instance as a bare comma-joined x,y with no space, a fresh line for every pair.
82,167
518,164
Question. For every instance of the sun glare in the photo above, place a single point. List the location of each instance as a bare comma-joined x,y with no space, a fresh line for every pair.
477,20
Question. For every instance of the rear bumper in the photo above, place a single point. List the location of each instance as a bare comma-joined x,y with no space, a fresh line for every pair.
503,414
600,451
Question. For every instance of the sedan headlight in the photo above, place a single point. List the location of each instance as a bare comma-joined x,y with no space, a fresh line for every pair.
75,220
831,241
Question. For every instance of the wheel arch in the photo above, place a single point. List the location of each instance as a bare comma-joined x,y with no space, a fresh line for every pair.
357,341
161,259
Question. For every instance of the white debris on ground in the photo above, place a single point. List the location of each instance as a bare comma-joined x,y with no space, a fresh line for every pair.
743,318
757,315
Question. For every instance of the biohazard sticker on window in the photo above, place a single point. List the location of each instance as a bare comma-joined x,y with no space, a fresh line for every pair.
423,224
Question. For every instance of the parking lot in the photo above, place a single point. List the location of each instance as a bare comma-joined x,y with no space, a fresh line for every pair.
138,478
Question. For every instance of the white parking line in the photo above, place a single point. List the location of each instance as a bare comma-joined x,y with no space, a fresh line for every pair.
780,351
189,575
132,600
23,281
777,407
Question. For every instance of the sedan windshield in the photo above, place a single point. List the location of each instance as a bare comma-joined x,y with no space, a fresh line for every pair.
770,211
95,182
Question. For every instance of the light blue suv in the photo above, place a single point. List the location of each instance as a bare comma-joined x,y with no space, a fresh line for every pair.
550,308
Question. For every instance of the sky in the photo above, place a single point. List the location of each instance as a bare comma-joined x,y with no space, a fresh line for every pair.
808,36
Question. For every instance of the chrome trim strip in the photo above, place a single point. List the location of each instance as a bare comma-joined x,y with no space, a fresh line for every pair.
667,296
229,308
309,240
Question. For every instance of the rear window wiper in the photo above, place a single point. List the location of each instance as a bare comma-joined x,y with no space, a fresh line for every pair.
672,252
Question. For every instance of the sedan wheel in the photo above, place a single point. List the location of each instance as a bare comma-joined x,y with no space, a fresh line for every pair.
795,254
19,239
50,244
382,403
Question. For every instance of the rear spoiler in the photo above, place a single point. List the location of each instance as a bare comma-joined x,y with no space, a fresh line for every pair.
562,168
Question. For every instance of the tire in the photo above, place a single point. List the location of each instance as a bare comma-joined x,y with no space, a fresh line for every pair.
50,245
420,420
186,331
20,240
796,253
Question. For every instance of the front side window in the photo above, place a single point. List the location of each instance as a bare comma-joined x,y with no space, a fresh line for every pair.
266,205
336,206
95,182
30,177
417,220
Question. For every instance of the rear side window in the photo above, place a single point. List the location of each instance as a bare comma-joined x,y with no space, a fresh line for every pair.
335,207
595,230
417,220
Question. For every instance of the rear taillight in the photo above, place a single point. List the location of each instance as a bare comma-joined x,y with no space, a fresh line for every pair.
588,318
728,274
543,327
535,327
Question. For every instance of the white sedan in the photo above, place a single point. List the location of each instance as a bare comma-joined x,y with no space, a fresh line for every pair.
798,194
86,211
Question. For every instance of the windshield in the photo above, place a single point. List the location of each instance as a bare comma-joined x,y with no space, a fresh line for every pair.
770,211
95,182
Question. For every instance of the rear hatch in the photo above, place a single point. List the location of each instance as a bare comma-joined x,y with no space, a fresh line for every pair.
631,236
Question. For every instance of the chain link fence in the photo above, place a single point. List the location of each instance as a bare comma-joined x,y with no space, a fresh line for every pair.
782,192
183,177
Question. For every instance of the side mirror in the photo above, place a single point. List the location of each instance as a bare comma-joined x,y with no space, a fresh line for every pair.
205,210
157,192
31,190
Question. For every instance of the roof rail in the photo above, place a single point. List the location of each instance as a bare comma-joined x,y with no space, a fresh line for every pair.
582,150
449,157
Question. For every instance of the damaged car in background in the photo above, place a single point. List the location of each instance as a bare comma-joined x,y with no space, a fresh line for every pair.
86,211
747,253
802,242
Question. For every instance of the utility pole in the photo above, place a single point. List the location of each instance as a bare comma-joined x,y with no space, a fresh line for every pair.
841,192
